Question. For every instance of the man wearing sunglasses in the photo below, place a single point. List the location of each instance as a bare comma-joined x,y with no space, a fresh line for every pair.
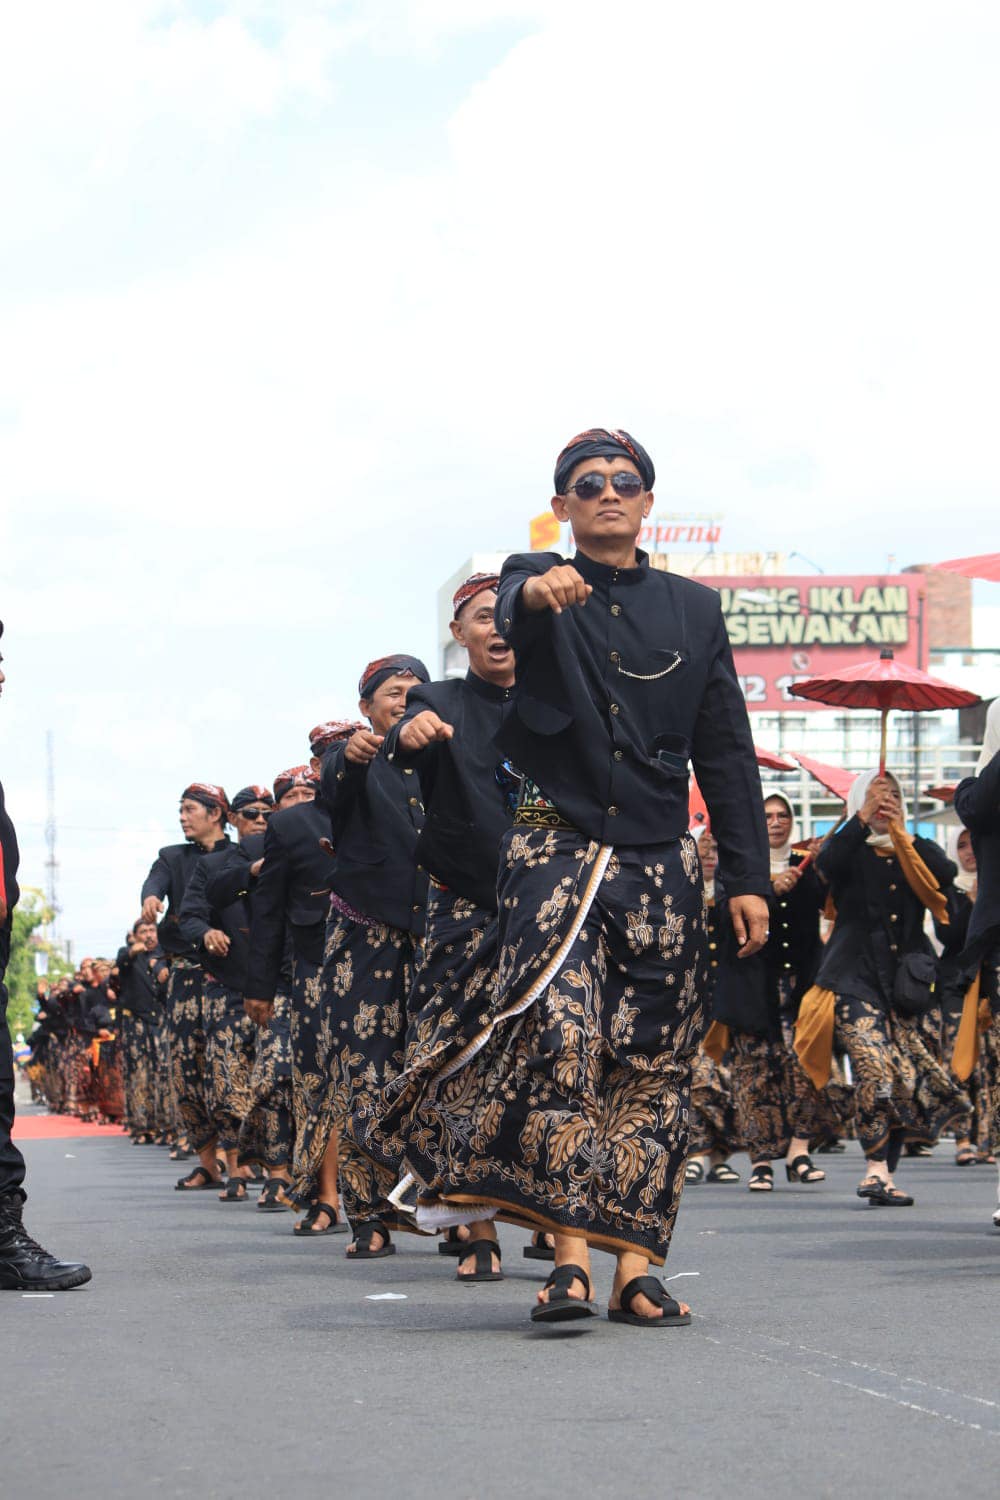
24,1265
204,812
574,1107
219,931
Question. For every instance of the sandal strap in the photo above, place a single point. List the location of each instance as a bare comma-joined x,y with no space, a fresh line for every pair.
761,1174
649,1286
562,1278
366,1231
483,1250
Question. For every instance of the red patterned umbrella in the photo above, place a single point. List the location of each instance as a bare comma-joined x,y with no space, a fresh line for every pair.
884,684
835,778
985,566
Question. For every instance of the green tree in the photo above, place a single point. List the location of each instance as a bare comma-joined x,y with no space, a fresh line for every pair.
30,914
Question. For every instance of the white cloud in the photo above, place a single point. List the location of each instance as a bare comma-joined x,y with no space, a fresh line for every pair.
271,379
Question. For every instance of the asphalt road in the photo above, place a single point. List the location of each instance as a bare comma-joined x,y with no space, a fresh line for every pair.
836,1350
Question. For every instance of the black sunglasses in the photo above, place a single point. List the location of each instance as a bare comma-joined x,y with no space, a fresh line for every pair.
627,485
255,813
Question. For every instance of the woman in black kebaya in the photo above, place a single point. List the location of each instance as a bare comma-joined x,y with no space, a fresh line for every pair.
878,966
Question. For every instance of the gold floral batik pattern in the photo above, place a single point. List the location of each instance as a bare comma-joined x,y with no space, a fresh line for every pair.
311,1041
572,1112
712,1114
138,1037
350,1043
109,1081
267,1135
231,1049
453,999
939,1100
897,1084
188,1061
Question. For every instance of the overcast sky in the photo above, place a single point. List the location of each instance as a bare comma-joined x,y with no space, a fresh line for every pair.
299,300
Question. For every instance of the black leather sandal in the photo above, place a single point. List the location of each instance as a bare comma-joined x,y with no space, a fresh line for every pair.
801,1169
451,1244
305,1230
236,1191
537,1249
363,1236
484,1251
269,1201
561,1307
723,1173
761,1180
656,1292
198,1181
880,1195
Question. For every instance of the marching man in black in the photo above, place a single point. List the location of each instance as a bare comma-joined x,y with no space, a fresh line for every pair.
571,1112
203,814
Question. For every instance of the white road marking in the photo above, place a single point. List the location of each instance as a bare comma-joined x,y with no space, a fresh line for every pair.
901,1388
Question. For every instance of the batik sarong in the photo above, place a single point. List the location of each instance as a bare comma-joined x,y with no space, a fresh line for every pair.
109,1083
267,1135
892,1094
452,1000
188,1061
711,1112
138,1037
231,1046
368,969
570,1111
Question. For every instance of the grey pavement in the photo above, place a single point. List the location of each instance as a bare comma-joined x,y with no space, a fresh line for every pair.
836,1350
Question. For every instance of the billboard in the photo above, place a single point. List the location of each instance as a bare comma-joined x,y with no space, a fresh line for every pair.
784,630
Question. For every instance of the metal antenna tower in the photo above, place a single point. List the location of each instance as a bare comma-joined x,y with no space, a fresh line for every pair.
51,863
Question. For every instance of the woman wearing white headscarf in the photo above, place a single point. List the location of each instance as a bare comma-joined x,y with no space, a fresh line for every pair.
878,965
977,802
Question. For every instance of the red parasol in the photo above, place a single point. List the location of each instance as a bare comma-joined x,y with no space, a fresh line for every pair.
834,778
884,684
698,818
772,761
985,566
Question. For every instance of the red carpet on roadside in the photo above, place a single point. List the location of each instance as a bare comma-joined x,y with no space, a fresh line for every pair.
31,1127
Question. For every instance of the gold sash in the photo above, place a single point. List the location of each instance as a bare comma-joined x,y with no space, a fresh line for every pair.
716,1042
814,1034
918,877
976,1018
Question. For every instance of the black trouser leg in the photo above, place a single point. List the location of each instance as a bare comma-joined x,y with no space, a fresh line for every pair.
11,1160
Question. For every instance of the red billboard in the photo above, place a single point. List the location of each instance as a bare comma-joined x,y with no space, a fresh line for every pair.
784,630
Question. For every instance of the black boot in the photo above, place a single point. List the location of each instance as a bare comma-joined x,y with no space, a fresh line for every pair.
24,1265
